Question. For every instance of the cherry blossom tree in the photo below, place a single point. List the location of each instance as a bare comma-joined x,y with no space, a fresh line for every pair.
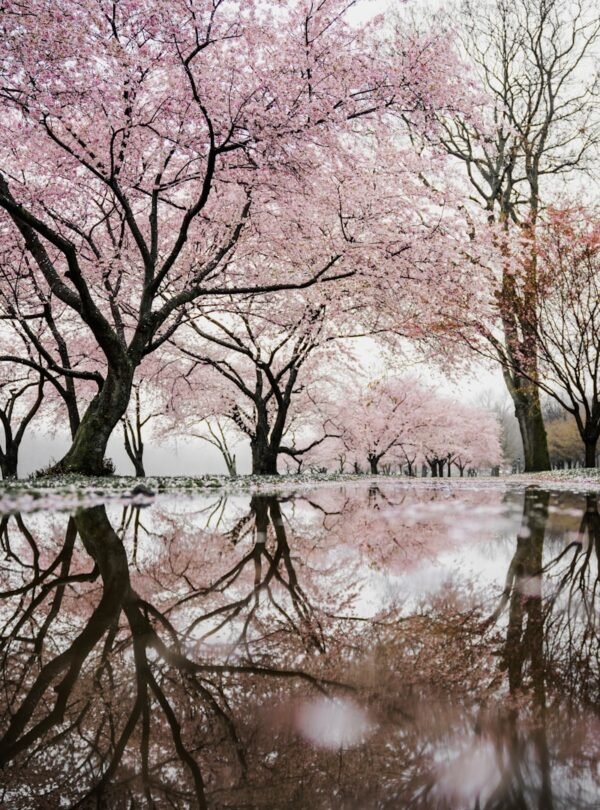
531,65
464,436
38,333
146,406
567,323
386,414
149,148
399,420
20,400
269,354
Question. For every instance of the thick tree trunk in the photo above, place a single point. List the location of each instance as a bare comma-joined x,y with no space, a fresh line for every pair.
9,462
373,463
138,464
533,432
264,457
519,317
86,455
590,452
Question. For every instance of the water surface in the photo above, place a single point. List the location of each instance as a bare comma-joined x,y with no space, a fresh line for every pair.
352,647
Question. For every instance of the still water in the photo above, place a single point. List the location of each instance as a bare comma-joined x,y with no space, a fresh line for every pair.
351,647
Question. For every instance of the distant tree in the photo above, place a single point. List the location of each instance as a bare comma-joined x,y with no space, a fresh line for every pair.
217,432
146,406
536,87
20,400
564,442
566,326
381,418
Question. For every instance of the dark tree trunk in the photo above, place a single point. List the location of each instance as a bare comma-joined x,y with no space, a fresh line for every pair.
520,324
259,505
434,468
264,457
231,464
373,464
9,461
590,451
87,453
533,432
134,448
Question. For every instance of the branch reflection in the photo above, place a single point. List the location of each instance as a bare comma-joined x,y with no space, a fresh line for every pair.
235,655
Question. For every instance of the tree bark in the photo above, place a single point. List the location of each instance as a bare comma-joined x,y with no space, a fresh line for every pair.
264,457
373,463
87,455
590,452
533,432
9,462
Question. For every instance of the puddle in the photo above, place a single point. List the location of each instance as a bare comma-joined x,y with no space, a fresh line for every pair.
355,647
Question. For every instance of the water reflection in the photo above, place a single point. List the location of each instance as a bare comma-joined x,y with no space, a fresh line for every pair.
349,648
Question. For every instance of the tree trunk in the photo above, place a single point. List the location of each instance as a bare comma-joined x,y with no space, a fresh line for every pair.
86,455
264,457
9,462
533,432
590,452
70,401
373,463
135,453
231,464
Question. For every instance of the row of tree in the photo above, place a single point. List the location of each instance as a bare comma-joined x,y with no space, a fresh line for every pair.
217,188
